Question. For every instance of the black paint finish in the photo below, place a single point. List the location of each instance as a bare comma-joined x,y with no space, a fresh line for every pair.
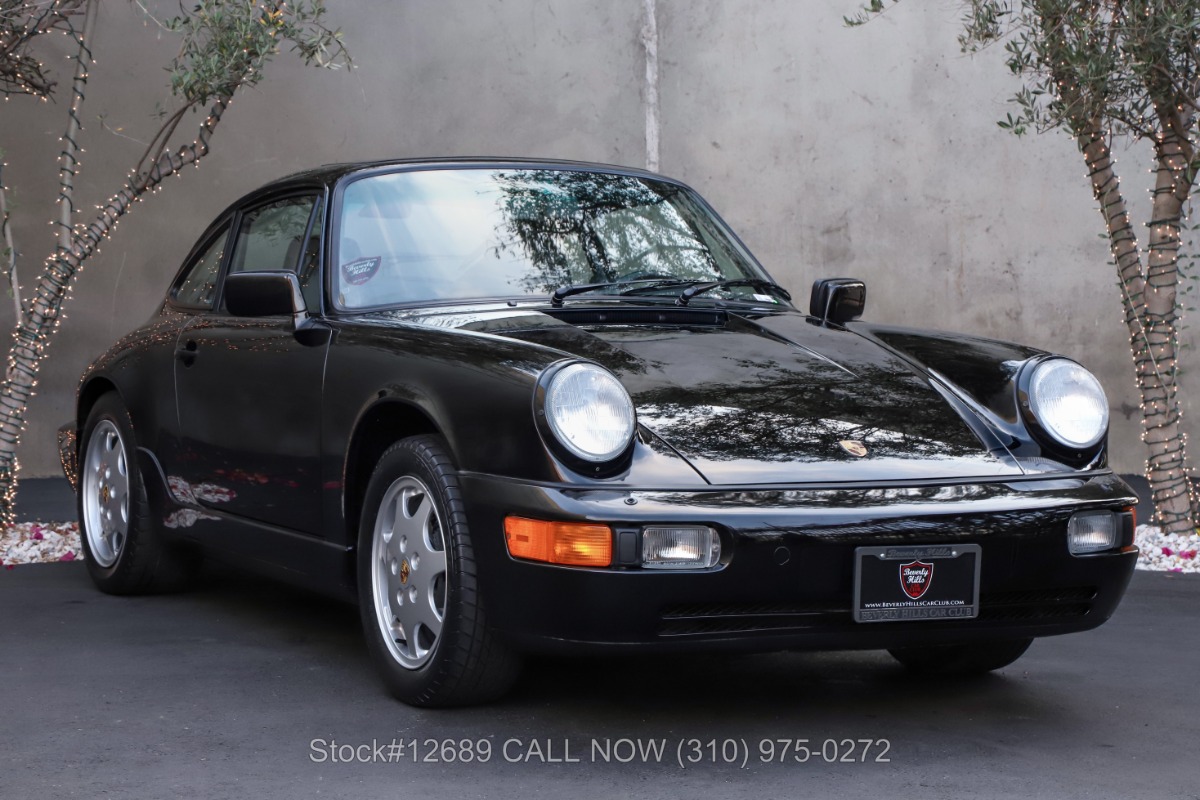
257,436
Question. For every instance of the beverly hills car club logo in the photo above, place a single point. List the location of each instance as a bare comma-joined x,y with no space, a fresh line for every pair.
915,578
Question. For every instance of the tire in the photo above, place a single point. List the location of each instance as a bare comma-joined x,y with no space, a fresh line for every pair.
422,615
124,551
961,659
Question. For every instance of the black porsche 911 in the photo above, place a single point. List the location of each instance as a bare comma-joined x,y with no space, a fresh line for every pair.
517,406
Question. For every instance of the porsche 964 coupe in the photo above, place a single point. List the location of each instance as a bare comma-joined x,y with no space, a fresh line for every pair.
515,406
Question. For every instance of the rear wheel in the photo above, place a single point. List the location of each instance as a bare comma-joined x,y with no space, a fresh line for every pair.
124,552
961,659
419,599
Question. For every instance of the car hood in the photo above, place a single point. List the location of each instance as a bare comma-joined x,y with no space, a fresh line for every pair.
761,399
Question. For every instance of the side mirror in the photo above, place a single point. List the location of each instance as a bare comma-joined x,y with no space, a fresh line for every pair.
264,294
837,300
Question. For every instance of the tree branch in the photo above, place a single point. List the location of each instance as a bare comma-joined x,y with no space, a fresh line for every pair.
21,73
162,137
69,159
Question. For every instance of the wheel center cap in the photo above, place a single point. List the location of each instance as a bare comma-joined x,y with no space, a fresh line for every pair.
404,571
104,495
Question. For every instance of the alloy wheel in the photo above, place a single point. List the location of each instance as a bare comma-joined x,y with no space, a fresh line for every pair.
106,494
409,571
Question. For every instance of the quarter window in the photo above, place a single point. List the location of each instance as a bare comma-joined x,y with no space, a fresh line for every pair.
198,288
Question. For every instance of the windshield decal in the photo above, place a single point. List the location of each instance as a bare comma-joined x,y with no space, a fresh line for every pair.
360,270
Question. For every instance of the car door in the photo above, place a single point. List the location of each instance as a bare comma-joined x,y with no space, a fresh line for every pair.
248,390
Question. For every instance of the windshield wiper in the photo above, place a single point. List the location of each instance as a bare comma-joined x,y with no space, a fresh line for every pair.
556,297
757,283
695,287
661,283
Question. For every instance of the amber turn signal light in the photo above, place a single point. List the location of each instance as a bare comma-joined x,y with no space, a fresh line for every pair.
576,544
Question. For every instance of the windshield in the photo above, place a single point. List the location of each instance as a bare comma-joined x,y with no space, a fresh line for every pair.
474,233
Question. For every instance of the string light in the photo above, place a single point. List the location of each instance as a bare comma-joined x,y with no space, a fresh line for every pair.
1153,333
1054,47
21,73
43,314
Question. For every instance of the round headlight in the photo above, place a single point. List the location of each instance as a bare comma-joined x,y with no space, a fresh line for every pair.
589,411
1068,402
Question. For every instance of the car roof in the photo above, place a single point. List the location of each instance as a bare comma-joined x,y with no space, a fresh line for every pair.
329,174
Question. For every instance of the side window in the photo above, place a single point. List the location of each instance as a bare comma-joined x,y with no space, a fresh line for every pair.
199,285
271,237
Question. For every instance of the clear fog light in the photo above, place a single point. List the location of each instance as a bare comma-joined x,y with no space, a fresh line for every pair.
680,548
1091,532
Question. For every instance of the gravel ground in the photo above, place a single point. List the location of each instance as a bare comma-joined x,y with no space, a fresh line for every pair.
1167,552
39,542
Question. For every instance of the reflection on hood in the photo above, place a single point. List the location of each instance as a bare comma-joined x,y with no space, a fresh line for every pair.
769,400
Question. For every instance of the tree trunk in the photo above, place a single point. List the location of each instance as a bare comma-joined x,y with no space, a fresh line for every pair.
1148,297
42,317
10,249
69,161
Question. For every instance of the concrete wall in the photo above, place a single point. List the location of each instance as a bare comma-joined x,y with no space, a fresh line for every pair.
870,152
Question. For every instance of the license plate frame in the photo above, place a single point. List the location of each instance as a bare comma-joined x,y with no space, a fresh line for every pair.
954,595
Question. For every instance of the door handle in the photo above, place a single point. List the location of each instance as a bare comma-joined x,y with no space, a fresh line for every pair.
187,353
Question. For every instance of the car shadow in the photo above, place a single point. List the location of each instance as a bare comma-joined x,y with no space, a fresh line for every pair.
860,684
832,687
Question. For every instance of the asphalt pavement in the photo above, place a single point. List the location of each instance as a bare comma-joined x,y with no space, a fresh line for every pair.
45,500
246,688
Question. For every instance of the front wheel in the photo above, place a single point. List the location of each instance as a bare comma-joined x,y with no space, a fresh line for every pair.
961,659
418,593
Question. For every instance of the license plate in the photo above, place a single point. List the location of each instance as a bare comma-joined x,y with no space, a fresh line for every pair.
905,584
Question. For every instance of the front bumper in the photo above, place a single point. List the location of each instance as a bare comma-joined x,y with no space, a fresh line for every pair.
788,581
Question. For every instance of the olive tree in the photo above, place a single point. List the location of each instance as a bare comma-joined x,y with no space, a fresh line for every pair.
1101,71
22,73
224,46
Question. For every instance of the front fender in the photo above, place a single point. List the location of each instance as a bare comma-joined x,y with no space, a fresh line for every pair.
476,390
983,368
984,372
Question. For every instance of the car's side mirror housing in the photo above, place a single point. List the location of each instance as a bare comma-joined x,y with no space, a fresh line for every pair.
263,294
837,300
